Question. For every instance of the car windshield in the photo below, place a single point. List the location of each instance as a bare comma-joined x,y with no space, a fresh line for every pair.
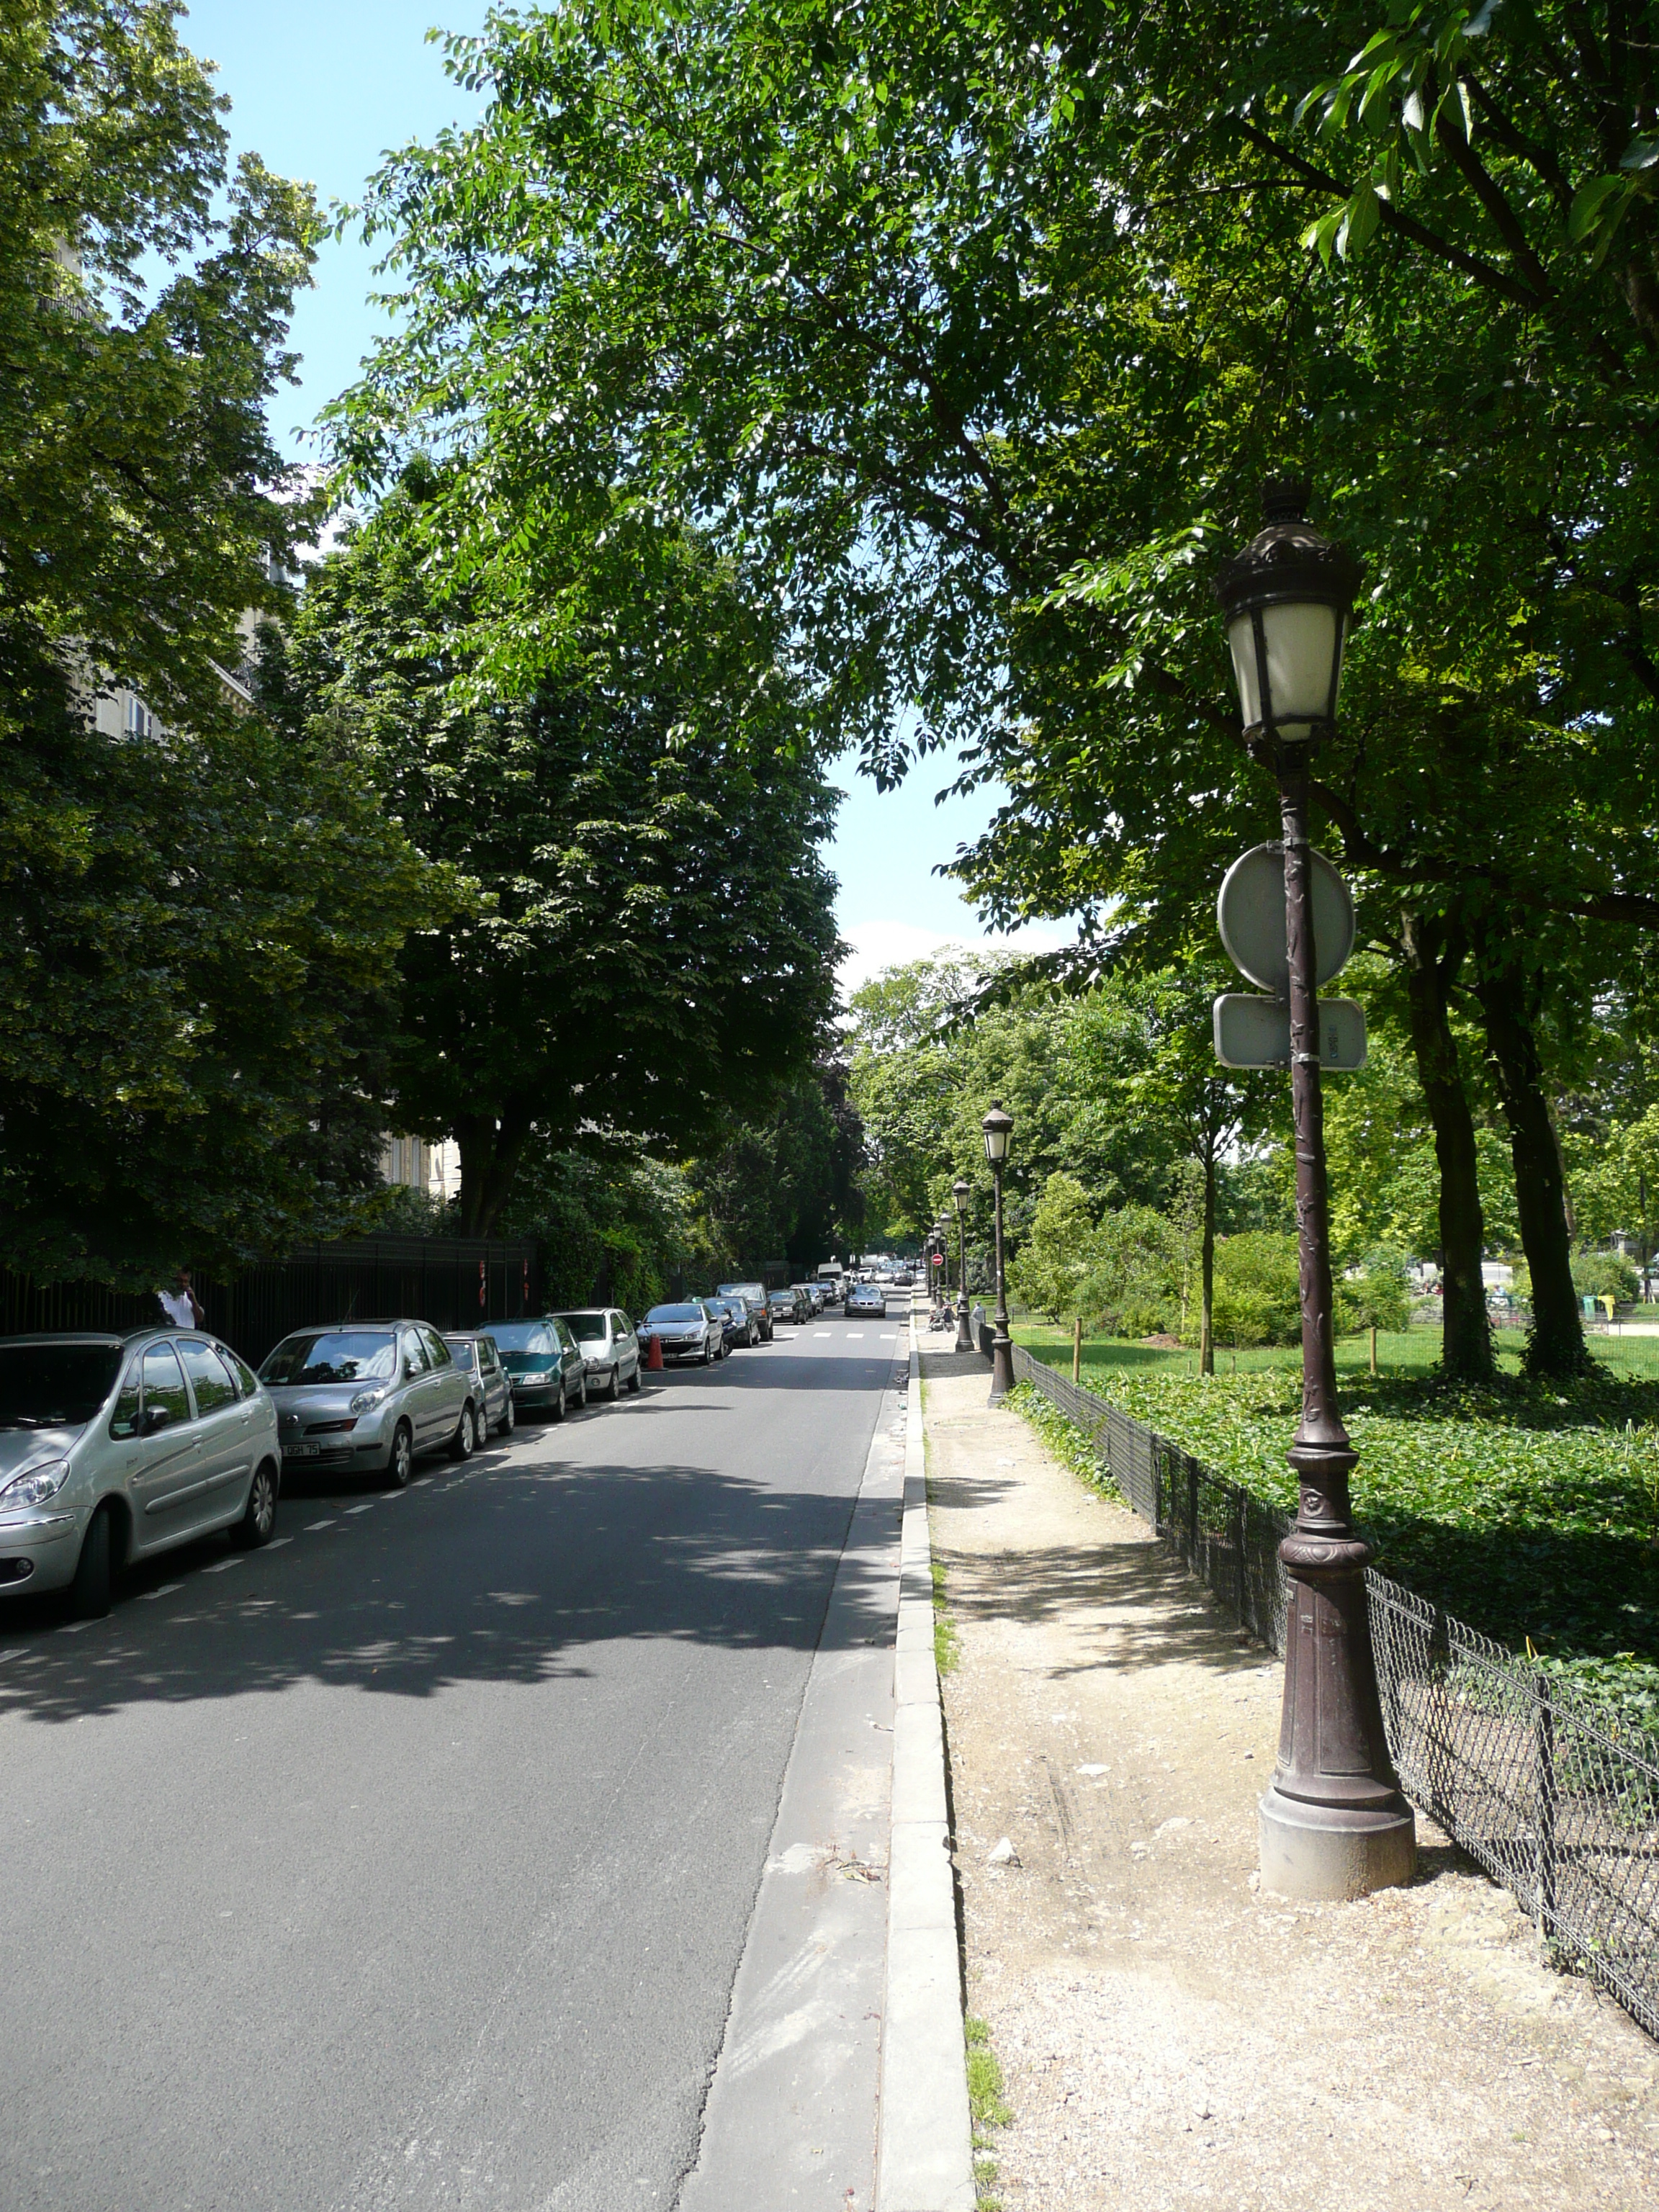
742,1291
677,1313
585,1327
54,1386
523,1336
333,1355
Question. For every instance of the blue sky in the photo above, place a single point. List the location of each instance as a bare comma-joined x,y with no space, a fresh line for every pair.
320,89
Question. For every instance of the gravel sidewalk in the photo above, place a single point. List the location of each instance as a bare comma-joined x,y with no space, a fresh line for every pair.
1170,2037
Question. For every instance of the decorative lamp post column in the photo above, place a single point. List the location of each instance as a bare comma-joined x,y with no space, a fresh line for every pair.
998,1129
961,1193
1332,1823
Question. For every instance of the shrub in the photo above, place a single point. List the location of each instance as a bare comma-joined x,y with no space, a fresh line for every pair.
1603,1275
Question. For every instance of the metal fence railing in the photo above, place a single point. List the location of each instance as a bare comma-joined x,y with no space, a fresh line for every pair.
1549,1793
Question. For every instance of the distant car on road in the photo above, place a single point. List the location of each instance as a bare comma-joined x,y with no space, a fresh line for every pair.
545,1361
754,1296
688,1329
370,1396
788,1306
475,1349
866,1298
113,1448
813,1294
609,1349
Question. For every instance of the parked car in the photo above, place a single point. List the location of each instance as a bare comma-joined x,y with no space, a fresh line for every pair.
115,1447
370,1397
609,1349
866,1298
475,1349
545,1362
788,1305
739,1322
689,1329
754,1297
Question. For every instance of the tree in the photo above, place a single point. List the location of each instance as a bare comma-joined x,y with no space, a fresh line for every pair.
646,936
201,923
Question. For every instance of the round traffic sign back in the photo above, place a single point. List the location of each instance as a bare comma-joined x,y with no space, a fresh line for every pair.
1250,912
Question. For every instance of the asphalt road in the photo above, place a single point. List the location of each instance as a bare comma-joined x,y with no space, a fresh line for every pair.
408,1862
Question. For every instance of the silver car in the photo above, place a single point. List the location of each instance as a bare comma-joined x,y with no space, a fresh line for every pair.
609,1350
113,1448
474,1349
367,1397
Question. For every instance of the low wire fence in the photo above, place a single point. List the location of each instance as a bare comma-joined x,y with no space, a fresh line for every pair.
1548,1792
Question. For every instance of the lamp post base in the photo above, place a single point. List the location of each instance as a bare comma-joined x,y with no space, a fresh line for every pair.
964,1326
1002,1367
1327,1856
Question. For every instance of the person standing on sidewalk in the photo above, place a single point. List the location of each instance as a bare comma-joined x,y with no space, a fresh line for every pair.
180,1305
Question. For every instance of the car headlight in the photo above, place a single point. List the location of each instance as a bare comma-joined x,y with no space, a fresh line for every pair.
34,1486
367,1401
537,1375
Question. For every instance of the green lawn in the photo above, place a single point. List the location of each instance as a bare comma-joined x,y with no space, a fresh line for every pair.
1529,1511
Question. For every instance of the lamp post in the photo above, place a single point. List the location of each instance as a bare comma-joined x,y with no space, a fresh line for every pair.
998,1128
1332,1823
961,1193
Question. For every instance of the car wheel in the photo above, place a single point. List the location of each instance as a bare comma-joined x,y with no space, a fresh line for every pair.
636,1385
581,1395
708,1356
400,1460
556,1411
612,1390
464,1442
89,1593
259,1523
509,1419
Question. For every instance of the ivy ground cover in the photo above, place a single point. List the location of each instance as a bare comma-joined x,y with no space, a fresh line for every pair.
1529,1512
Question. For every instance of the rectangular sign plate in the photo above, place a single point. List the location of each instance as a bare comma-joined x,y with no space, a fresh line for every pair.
1253,1032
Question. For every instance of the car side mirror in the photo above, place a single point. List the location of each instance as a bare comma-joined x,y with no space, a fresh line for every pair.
155,1417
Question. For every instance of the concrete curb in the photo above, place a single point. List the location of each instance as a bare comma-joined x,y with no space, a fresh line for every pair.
926,2157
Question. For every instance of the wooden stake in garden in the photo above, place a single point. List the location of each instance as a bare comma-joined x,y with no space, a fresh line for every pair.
1373,1347
1077,1348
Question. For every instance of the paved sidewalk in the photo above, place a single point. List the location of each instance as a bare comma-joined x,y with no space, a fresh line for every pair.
1171,2037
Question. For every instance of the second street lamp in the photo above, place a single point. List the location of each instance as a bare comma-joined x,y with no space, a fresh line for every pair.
998,1129
1332,1823
961,1193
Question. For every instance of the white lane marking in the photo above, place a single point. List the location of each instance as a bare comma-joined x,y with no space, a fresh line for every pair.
888,1336
220,1566
420,1482
277,1543
855,1336
311,1525
166,1590
364,1507
820,1332
74,1627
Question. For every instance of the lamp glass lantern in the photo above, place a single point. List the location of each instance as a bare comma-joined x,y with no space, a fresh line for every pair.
961,1192
1287,598
998,1128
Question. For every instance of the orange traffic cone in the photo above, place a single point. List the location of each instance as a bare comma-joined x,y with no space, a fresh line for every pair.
654,1355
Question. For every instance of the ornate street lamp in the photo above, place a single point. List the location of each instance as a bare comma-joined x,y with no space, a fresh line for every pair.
961,1192
998,1129
1332,1823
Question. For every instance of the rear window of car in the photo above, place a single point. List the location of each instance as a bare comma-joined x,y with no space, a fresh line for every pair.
464,1354
586,1328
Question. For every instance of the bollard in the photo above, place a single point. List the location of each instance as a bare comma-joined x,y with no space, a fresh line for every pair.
653,1354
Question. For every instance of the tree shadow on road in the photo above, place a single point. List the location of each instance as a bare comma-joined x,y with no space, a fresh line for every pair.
522,1572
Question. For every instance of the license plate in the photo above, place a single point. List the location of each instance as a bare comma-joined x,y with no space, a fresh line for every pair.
301,1451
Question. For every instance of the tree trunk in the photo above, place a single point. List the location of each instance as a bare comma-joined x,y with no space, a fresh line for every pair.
1556,1343
490,1150
1433,954
1206,1270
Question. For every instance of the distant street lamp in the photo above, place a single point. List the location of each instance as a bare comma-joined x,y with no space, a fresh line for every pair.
961,1192
1334,1823
998,1129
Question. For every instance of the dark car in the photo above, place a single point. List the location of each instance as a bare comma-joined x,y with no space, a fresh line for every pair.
545,1364
788,1306
475,1349
754,1297
738,1322
688,1329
